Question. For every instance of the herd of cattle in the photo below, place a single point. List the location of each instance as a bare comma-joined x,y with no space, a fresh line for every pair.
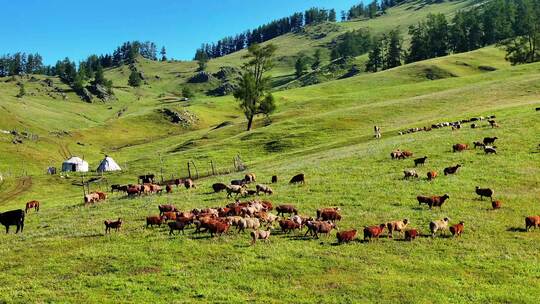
256,215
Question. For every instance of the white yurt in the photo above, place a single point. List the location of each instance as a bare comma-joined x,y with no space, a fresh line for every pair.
75,164
108,164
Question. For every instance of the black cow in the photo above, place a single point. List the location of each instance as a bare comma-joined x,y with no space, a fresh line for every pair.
13,218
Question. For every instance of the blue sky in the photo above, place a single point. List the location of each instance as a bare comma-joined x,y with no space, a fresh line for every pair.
60,28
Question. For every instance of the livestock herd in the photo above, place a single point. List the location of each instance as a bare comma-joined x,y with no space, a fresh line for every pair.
255,215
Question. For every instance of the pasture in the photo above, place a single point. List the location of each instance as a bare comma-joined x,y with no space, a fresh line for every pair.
63,255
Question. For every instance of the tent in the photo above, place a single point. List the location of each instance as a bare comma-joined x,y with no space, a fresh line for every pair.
75,164
108,164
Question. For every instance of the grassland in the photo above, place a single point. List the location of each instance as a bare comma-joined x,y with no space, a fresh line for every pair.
323,130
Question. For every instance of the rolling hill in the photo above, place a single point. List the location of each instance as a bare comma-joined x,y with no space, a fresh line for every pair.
323,130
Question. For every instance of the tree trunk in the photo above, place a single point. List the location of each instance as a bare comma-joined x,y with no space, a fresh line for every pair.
250,122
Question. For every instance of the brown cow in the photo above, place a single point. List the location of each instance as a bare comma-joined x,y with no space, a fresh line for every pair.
32,204
373,231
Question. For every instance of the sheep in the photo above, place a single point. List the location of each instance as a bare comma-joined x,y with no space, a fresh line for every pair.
431,175
264,189
167,208
30,205
484,192
266,217
267,205
490,150
218,187
288,225
320,211
532,222
439,225
176,225
409,173
249,178
274,179
437,201
451,170
474,126
168,188
13,218
411,234
496,204
239,190
404,154
298,179
155,220
260,235
459,147
113,224
91,198
398,226
493,123
217,227
396,154
330,215
188,183
373,232
289,209
457,229
489,140
250,223
423,199
346,236
478,144
316,227
170,215
420,161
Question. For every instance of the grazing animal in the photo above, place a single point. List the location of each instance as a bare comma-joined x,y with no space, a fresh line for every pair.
167,208
238,182
113,225
490,140
274,179
91,198
320,211
155,220
13,218
530,222
437,201
451,170
32,204
188,183
322,227
484,192
217,227
239,190
460,147
405,154
218,187
288,225
249,178
423,199
176,225
133,191
289,209
409,173
490,150
457,229
478,144
298,179
250,223
329,215
396,154
411,234
431,175
346,236
496,204
373,232
267,205
168,188
474,126
420,161
438,225
264,189
260,235
398,226
493,123
170,215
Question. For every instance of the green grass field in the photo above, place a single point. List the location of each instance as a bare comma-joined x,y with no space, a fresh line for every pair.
324,131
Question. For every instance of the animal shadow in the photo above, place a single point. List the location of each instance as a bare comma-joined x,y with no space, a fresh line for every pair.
516,229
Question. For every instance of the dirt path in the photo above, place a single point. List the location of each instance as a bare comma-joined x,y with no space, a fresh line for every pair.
23,185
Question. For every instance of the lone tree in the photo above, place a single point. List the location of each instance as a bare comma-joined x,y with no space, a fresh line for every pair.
134,79
163,54
252,89
202,60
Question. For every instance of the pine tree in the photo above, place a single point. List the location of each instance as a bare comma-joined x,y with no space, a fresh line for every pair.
163,54
134,79
301,65
317,60
394,49
375,57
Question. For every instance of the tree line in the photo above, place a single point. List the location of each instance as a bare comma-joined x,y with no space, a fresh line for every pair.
372,10
21,63
265,32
